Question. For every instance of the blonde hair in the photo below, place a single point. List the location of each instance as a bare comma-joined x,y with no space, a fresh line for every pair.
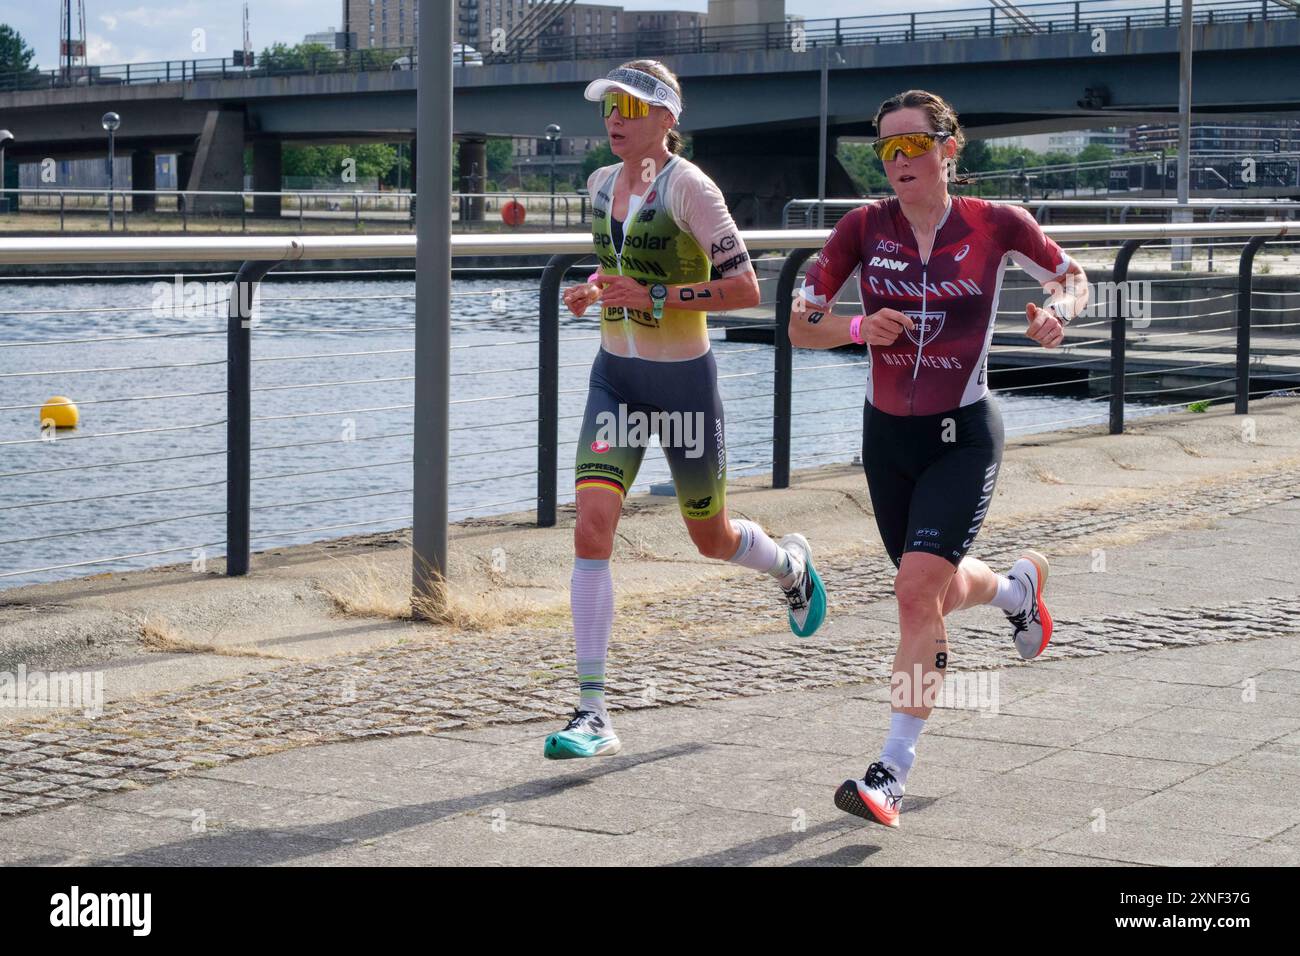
675,142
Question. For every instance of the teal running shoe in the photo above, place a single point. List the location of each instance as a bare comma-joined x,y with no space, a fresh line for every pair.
807,599
588,734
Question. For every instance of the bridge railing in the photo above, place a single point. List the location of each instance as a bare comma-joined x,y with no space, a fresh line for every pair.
971,22
80,208
268,420
804,213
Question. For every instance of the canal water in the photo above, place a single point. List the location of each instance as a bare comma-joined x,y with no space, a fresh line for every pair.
141,480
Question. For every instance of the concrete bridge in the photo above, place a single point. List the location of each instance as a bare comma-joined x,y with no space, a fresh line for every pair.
741,106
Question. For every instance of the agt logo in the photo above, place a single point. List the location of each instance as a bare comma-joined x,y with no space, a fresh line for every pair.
889,245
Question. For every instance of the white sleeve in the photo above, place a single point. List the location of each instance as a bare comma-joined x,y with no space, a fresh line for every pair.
698,206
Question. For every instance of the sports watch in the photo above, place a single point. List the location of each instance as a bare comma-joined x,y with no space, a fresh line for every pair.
658,295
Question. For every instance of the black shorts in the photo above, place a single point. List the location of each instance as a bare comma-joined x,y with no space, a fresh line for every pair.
931,477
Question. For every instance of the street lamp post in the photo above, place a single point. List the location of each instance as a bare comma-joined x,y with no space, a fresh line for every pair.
110,122
6,137
822,135
1182,248
553,137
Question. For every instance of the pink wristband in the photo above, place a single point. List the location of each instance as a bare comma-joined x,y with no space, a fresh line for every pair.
594,276
855,330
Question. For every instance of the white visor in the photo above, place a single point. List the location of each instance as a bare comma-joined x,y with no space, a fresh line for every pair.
643,86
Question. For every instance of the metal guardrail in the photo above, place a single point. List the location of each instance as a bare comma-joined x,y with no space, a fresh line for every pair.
799,212
260,255
969,22
222,206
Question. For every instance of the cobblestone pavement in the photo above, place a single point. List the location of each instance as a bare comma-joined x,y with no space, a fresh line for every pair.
526,674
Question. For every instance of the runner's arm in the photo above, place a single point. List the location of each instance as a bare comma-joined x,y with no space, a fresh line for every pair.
699,206
717,295
813,324
1059,275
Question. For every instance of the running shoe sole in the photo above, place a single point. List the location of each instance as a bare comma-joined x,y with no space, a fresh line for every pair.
848,799
817,604
559,747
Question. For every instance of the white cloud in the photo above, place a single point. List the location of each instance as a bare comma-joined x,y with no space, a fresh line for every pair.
100,49
156,17
108,20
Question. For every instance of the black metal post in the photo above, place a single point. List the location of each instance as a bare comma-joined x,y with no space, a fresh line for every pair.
784,367
548,385
239,414
110,180
1245,277
1118,331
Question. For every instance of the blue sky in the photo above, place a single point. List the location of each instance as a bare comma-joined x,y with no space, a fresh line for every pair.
148,30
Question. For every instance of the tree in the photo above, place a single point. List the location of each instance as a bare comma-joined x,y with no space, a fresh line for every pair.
1095,178
597,157
976,157
500,157
861,163
1059,179
280,57
15,54
326,162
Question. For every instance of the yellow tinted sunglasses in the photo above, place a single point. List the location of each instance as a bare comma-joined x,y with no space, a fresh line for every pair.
629,106
912,145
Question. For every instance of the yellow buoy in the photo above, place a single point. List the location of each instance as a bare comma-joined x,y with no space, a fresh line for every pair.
61,411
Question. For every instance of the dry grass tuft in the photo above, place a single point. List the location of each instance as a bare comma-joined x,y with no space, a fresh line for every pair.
158,634
366,590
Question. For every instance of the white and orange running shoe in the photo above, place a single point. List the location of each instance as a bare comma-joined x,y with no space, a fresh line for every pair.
875,797
1031,624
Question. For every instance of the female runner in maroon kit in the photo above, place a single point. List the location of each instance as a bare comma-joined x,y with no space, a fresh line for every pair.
931,274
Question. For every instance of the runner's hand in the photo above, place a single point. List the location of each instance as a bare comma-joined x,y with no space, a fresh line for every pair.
883,327
579,298
1044,327
626,293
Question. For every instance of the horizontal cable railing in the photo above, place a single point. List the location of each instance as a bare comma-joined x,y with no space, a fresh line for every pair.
318,419
802,213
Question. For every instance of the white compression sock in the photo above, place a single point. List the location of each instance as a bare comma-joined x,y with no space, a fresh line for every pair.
1011,594
900,746
761,553
591,596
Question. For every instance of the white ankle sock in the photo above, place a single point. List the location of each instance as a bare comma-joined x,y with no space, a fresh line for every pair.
760,553
900,746
1011,594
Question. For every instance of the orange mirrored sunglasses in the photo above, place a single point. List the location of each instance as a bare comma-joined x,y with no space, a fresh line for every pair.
911,145
628,106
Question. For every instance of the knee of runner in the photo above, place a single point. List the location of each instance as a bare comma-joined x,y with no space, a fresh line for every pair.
916,595
594,532
714,546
